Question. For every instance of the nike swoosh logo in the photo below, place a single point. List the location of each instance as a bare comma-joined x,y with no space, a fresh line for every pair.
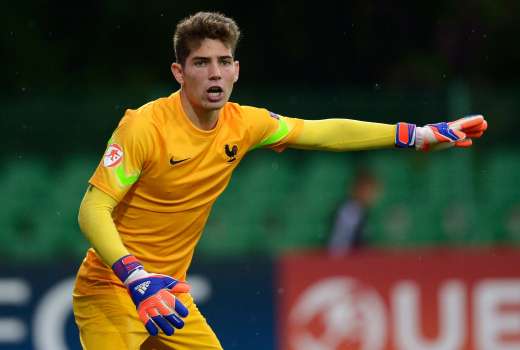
173,162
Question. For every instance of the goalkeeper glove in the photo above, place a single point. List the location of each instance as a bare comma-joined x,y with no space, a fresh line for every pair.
152,295
443,135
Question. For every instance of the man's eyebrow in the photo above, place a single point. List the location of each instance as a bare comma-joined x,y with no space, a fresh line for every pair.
205,58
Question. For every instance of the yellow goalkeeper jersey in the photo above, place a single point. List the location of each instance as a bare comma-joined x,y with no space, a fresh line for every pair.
166,174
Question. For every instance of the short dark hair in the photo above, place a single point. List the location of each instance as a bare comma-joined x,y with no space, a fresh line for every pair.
192,30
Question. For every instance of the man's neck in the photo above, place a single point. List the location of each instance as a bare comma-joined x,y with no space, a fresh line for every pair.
205,120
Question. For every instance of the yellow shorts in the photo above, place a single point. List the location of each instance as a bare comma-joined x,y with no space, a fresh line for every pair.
110,321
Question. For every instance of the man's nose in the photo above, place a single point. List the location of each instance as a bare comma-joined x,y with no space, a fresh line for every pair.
214,71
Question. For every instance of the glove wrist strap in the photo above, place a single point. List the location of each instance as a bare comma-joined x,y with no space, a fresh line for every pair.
405,135
423,135
126,266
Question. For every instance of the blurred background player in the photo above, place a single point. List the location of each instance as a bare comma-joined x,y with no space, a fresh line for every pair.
351,216
165,165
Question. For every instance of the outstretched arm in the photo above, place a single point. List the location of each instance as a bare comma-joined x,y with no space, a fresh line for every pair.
352,135
344,135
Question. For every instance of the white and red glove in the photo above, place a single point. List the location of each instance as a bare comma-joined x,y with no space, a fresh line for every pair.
432,137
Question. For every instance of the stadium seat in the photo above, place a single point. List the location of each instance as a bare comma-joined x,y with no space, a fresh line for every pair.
392,220
24,189
448,204
309,206
70,184
500,201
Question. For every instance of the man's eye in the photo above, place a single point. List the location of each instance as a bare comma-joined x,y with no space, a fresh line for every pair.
199,63
225,62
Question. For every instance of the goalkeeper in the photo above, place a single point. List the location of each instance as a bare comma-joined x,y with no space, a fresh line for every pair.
165,165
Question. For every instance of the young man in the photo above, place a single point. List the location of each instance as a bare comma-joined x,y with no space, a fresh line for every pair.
166,164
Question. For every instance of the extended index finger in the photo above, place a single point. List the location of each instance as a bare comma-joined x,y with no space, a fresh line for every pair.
468,122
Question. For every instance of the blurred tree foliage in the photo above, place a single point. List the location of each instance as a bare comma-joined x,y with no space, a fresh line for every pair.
58,44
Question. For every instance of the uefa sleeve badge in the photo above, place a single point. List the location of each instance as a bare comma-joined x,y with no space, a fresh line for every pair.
113,155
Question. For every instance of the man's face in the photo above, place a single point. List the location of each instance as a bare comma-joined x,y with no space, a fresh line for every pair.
208,75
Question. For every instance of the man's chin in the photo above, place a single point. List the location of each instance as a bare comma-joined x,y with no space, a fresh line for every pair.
215,105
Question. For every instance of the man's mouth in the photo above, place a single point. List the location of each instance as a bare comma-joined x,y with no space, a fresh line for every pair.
215,93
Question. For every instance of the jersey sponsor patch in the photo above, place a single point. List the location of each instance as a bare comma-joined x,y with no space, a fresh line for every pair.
113,155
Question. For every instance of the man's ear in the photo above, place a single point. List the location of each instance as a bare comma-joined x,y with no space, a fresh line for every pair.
177,72
237,70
